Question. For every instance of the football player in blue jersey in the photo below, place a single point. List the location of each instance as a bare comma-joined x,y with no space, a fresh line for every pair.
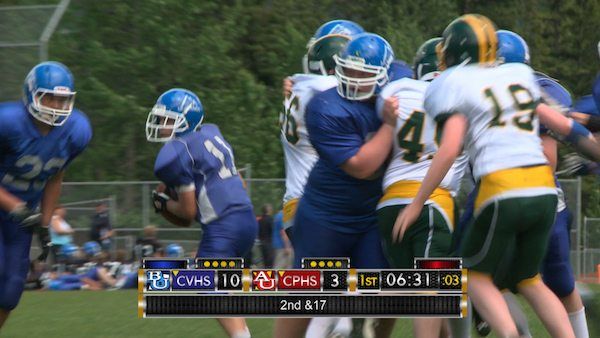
585,110
591,121
336,215
200,182
39,137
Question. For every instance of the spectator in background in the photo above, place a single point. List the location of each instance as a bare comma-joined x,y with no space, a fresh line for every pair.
148,245
61,232
102,231
281,244
265,235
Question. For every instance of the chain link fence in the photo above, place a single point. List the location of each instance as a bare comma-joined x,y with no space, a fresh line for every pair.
130,209
590,251
24,35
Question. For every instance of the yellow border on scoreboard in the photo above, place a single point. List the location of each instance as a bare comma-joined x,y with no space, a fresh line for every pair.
140,293
464,306
246,280
464,280
352,280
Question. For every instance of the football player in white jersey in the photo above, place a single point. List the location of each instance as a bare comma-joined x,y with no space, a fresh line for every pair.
414,147
299,154
494,110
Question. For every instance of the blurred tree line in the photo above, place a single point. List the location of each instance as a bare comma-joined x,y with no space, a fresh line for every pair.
234,54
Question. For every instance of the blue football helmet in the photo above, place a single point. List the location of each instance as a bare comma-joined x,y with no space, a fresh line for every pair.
337,27
512,47
399,70
333,27
91,248
69,250
174,251
368,54
176,112
49,93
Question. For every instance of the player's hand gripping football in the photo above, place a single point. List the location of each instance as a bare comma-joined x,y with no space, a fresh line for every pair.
160,198
390,111
405,219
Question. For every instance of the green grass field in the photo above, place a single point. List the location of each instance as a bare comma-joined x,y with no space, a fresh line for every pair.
114,314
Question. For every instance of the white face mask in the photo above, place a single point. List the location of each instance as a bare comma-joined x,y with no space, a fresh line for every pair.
160,119
353,88
56,114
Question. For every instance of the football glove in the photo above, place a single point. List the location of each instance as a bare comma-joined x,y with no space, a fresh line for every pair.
573,164
159,201
26,217
44,238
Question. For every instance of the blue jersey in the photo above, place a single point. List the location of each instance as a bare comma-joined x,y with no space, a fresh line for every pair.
553,90
337,129
559,94
596,91
203,161
29,159
586,105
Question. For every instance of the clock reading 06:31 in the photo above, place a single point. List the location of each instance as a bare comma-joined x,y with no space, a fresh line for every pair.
408,279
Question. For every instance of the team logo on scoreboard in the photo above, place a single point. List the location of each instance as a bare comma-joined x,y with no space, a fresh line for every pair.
157,280
263,280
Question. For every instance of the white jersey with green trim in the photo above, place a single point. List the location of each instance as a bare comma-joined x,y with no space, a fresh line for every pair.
415,137
300,156
499,104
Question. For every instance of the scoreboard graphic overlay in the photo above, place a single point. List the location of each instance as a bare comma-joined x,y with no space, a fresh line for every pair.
209,287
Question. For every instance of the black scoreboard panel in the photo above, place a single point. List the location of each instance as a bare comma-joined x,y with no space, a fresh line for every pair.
208,287
304,305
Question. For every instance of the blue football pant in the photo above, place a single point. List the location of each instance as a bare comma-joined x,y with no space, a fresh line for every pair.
556,270
14,263
230,236
317,239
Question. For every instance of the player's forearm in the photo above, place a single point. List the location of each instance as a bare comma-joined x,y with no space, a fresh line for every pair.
51,196
180,210
8,201
371,155
553,119
450,148
591,122
574,133
440,165
176,220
